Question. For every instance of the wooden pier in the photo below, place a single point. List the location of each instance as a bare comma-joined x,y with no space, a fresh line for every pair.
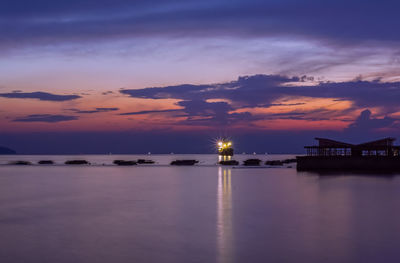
331,155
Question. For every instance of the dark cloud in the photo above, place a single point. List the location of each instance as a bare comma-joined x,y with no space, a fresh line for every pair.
249,90
200,112
285,104
363,93
365,123
46,118
199,107
107,109
148,112
335,20
39,95
263,90
97,110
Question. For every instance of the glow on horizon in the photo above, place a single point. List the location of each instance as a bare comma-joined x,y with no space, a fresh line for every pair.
335,114
90,69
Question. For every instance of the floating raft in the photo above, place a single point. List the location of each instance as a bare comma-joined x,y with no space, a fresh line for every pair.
229,162
124,163
184,162
77,162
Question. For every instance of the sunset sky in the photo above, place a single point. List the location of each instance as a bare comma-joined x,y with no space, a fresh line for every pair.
136,76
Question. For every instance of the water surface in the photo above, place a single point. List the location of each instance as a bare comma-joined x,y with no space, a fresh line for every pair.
195,214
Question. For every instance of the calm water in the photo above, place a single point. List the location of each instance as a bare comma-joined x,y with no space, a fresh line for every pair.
194,214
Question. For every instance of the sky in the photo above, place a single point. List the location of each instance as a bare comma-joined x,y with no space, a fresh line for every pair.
171,76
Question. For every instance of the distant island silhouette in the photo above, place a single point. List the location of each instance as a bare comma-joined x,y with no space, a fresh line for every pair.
5,150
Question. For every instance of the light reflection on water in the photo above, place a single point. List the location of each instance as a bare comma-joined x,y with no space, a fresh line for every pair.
224,158
224,216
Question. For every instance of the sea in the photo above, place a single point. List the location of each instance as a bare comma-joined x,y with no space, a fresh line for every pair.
104,213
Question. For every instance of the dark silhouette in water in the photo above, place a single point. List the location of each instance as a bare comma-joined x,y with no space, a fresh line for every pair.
143,161
184,162
274,163
124,163
290,160
21,163
280,162
46,162
252,162
77,162
229,162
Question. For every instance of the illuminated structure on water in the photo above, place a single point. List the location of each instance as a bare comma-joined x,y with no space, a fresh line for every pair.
225,147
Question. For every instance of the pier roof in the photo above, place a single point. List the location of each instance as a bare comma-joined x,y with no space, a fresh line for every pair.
378,143
328,143
328,147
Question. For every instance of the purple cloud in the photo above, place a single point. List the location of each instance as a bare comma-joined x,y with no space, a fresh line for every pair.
148,112
263,90
365,122
97,110
39,96
46,118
